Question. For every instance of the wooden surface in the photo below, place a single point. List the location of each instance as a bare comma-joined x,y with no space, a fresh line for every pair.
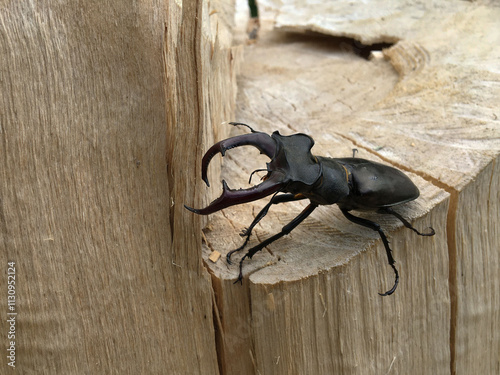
309,301
102,105
106,110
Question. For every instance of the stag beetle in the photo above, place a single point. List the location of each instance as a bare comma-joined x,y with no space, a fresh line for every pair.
351,183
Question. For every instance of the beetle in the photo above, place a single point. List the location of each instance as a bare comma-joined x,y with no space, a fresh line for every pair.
294,173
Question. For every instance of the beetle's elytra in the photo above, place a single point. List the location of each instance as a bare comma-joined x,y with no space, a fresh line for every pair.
294,174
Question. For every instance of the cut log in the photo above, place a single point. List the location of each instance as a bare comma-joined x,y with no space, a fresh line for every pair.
309,301
107,109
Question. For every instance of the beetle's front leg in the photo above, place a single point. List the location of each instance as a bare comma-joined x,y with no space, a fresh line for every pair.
284,231
376,227
248,231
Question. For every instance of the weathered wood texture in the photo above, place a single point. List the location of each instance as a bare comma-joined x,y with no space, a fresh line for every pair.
107,108
309,303
103,104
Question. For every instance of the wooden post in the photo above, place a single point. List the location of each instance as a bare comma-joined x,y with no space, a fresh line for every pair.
105,112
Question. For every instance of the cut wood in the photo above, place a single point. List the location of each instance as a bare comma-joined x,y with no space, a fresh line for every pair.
309,301
103,105
107,109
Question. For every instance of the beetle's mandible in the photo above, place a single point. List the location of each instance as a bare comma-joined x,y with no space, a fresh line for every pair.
294,173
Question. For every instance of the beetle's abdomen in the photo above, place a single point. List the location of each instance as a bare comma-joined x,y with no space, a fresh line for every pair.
374,185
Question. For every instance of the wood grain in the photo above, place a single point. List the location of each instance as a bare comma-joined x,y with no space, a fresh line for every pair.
103,105
428,108
106,110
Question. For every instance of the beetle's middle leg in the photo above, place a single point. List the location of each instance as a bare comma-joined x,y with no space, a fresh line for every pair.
376,227
388,210
248,231
284,231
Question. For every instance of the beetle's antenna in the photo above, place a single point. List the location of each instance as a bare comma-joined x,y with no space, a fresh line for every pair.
354,150
242,124
257,170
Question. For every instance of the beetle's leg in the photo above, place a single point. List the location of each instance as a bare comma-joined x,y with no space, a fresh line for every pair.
284,231
283,198
376,227
388,210
248,231
274,200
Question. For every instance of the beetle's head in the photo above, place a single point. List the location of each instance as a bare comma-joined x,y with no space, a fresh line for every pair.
292,167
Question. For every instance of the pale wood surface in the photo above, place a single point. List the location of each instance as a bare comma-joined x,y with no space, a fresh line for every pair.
107,108
309,302
93,182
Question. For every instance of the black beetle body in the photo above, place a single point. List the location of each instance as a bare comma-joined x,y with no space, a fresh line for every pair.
351,183
373,185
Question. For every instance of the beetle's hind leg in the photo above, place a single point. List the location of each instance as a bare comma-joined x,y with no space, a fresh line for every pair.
248,231
390,211
284,231
376,227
